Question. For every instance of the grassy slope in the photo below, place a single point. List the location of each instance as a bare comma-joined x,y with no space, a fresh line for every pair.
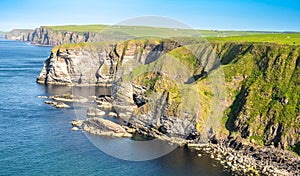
263,87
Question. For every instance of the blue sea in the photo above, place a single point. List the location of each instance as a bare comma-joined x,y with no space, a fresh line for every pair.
36,139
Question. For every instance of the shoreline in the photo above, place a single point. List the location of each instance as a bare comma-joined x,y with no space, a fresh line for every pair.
234,154
246,159
240,156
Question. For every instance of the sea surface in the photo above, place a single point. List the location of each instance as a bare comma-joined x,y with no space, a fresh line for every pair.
36,139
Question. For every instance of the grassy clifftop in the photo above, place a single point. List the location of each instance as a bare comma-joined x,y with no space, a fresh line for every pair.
279,38
78,28
154,31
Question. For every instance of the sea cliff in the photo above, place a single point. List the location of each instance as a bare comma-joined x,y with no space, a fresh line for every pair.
49,37
261,102
262,81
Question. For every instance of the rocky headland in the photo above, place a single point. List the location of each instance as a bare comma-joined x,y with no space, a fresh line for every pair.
258,132
48,37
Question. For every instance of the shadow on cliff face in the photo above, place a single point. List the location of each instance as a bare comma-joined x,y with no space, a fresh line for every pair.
236,108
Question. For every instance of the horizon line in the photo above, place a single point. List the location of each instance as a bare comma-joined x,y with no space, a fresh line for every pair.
201,29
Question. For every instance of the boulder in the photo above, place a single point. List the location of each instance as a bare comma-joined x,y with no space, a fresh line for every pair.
112,114
75,128
100,126
50,102
76,123
61,105
69,98
105,105
95,112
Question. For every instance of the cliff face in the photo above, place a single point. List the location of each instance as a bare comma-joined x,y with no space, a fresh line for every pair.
97,63
47,36
265,104
262,82
19,34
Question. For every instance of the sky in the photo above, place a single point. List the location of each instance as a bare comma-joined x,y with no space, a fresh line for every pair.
258,15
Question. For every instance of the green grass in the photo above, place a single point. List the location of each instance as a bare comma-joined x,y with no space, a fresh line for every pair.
210,35
78,28
278,38
139,31
69,46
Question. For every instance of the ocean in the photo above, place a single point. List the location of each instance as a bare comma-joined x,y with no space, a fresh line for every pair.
36,139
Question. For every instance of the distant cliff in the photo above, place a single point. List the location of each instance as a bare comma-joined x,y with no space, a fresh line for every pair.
49,37
262,80
19,34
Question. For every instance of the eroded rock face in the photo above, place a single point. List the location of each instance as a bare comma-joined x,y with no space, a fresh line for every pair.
96,65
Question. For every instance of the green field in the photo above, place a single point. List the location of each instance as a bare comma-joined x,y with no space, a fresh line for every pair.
78,28
279,38
151,31
210,35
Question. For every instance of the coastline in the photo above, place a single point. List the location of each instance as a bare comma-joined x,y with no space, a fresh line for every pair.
241,157
234,154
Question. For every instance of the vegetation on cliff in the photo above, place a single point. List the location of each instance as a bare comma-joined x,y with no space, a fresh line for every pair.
263,87
262,82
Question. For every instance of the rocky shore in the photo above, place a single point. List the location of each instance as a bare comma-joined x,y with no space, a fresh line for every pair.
235,154
242,158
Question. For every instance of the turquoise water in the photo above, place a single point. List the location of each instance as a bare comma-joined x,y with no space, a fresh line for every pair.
36,139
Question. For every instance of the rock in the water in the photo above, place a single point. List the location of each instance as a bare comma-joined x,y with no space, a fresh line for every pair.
50,102
61,105
112,114
100,126
95,112
76,123
75,128
42,96
105,105
69,98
